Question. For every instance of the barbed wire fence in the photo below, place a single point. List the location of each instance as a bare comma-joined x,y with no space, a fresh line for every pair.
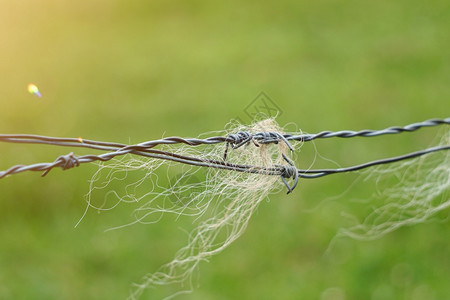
233,141
262,150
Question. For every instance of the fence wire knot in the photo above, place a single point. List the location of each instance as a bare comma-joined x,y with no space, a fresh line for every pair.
272,137
67,161
288,171
237,140
241,138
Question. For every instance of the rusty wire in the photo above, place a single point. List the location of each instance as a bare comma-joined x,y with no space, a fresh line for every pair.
233,140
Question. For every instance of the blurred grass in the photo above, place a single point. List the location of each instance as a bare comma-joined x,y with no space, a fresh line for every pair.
129,72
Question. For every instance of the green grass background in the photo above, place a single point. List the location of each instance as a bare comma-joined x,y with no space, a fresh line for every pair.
130,71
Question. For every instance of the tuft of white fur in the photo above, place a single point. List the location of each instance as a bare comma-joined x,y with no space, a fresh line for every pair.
422,190
221,204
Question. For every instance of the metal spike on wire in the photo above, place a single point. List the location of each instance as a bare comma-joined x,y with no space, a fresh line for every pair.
234,141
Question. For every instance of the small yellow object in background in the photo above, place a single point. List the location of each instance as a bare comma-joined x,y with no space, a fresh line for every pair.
33,89
80,139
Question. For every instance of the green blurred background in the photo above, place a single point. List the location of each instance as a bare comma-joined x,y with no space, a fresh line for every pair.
130,71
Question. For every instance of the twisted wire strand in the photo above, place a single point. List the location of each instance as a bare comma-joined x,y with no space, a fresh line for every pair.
368,133
286,172
237,140
323,172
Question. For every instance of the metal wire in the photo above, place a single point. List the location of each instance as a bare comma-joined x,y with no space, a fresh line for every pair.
233,140
322,172
368,133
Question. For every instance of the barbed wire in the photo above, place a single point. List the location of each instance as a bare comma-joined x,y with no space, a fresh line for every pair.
368,133
234,141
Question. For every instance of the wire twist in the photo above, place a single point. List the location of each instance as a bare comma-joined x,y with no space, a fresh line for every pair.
289,171
66,162
241,138
368,133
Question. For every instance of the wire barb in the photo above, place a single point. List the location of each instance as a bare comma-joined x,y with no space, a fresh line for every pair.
289,171
237,140
65,162
241,138
272,137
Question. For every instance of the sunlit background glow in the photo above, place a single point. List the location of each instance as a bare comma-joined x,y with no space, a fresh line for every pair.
130,71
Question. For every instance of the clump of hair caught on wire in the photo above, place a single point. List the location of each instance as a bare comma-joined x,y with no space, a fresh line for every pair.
421,191
221,204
